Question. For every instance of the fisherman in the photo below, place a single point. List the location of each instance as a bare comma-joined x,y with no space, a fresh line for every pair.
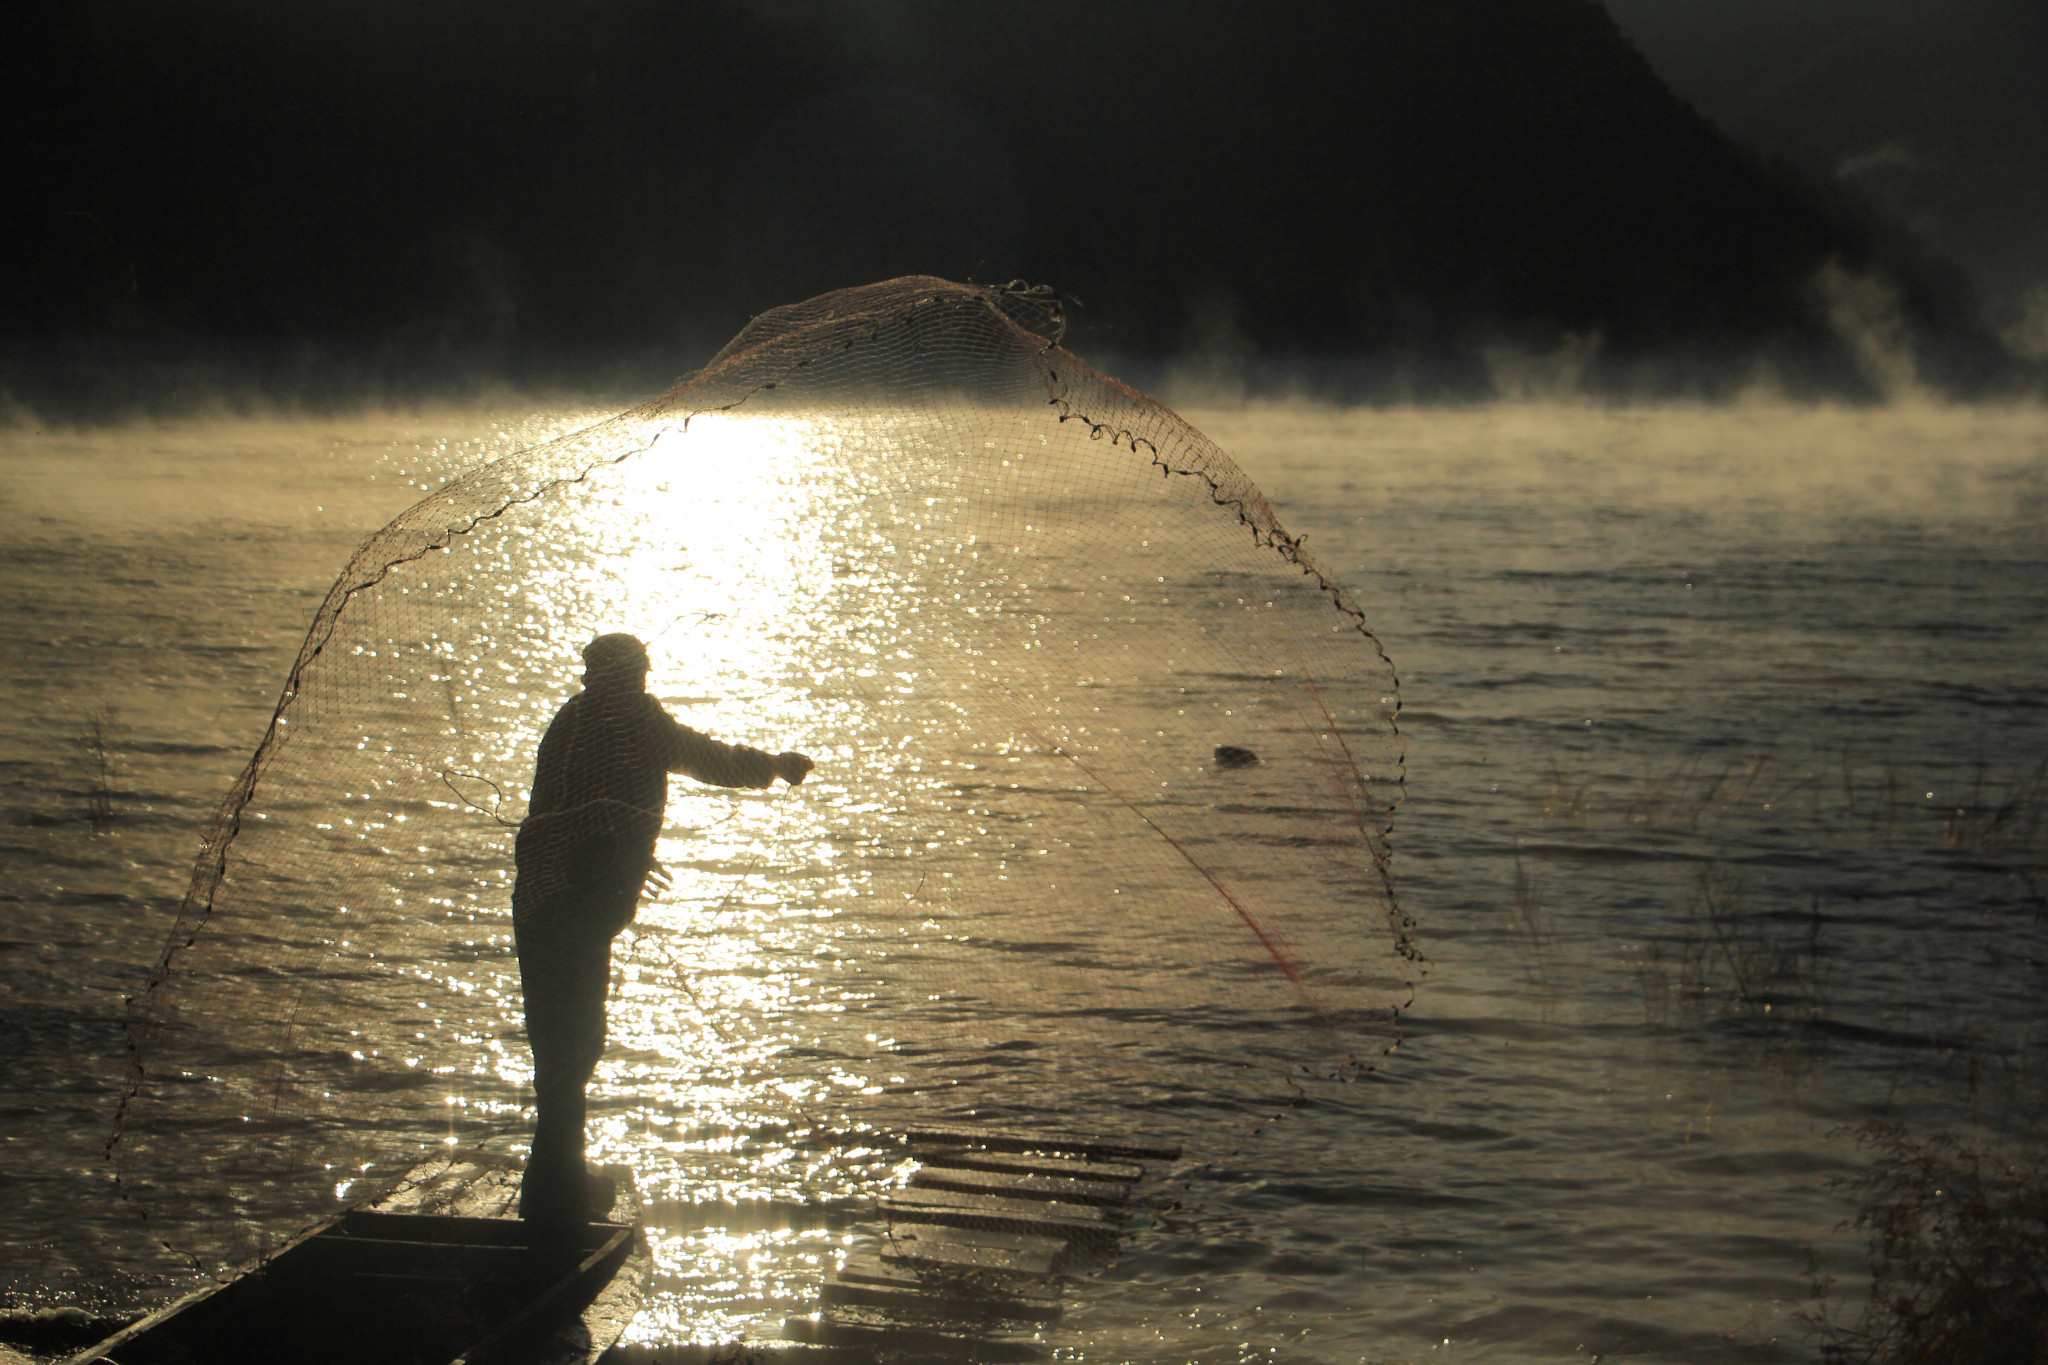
584,853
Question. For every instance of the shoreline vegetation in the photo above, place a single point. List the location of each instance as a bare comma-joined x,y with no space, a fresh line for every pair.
1958,1254
1952,1194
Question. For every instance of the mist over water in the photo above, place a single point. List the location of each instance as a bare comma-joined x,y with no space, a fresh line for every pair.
1724,829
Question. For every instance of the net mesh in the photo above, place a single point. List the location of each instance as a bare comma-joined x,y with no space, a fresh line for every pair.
1097,839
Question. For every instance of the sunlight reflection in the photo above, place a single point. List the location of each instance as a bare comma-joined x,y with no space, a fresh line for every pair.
713,547
1011,685
714,1287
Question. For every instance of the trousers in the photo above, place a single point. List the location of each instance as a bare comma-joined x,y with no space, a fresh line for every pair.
566,973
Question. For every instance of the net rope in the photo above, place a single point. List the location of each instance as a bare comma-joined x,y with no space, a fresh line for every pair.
1097,838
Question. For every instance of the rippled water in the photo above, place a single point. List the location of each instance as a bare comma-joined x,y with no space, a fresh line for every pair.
1719,834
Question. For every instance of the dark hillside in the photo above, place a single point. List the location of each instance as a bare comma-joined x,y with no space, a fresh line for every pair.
518,181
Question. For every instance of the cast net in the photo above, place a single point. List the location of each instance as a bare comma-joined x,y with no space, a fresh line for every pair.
1096,841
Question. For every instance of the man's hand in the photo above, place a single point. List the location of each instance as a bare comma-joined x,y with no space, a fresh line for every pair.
657,879
792,768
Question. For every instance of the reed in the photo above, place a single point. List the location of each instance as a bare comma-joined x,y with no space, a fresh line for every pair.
1531,928
1998,816
1731,957
2001,816
99,791
1563,799
1677,796
1958,1256
1772,963
1958,1229
1652,968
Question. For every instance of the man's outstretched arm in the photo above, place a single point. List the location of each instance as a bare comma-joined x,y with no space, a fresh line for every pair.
729,765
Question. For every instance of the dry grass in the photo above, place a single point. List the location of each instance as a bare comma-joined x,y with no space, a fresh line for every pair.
1874,798
99,789
1733,957
1958,1232
1770,965
2005,817
1997,816
1958,1256
1677,796
1531,928
1563,799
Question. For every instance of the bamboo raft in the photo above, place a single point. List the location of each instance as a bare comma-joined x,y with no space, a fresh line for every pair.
980,1243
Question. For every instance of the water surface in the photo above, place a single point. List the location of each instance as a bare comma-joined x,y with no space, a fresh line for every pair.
1719,834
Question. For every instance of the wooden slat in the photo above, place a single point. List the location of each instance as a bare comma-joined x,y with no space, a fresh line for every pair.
868,1267
1065,1167
979,1214
571,1292
379,1257
201,1304
1003,1185
1030,1257
797,1351
913,1297
430,1227
1087,1215
994,1141
888,1337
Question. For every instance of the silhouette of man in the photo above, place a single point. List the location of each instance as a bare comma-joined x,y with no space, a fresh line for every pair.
584,852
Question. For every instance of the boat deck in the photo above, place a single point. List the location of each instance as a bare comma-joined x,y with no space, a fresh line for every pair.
437,1274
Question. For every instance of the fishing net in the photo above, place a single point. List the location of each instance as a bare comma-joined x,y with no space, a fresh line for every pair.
1096,841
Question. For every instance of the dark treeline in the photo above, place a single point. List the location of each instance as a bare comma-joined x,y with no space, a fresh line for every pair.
528,183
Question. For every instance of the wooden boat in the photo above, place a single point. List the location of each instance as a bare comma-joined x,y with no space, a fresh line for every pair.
402,1288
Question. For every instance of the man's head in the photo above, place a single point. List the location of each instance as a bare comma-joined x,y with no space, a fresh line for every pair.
615,661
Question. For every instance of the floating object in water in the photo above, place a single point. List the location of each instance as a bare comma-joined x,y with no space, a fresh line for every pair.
1231,756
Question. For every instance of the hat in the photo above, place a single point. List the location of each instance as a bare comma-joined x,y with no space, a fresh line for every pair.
612,655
